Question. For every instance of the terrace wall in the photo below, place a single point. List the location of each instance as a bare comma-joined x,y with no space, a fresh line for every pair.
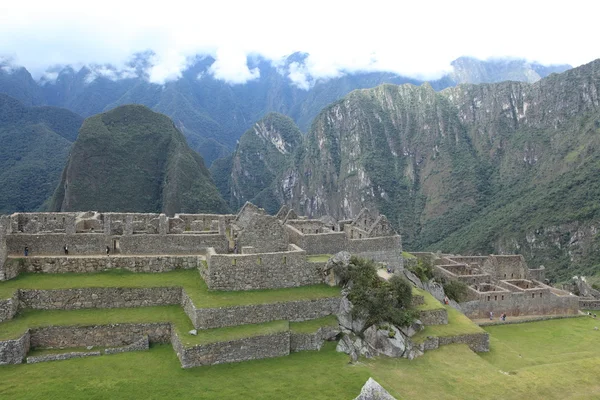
73,299
63,264
14,351
9,307
586,304
252,348
312,341
301,310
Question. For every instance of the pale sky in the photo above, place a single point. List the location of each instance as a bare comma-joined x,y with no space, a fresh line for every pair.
418,38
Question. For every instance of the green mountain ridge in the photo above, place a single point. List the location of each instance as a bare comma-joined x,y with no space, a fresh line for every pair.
35,146
509,167
132,159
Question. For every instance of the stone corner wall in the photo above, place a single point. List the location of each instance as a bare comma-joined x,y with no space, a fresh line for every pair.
14,351
312,341
9,307
434,317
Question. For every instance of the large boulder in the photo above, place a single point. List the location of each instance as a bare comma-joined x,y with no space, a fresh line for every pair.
338,262
389,342
374,391
345,318
412,329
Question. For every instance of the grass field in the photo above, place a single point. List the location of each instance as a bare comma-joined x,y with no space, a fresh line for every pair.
190,280
571,371
458,324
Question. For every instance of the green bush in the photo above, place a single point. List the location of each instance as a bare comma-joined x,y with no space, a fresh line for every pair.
455,290
423,269
376,300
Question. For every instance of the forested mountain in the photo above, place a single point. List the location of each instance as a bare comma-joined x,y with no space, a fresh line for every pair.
35,143
131,159
506,167
213,114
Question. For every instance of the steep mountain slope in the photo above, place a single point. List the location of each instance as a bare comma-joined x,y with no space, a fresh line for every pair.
35,146
263,153
133,159
213,114
506,167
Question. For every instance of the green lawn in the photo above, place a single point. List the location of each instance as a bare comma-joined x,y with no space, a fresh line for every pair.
451,372
430,302
458,324
319,257
313,325
190,280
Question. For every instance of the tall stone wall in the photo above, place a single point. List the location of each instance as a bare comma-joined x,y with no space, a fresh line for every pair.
9,307
506,267
260,271
324,243
266,234
64,264
114,335
252,348
73,299
387,249
4,224
95,244
301,310
588,304
520,303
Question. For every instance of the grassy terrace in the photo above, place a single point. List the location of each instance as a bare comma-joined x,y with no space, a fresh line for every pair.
313,325
430,302
190,280
318,258
458,324
174,314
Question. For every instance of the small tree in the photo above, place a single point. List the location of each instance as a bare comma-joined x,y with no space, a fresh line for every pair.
455,290
376,300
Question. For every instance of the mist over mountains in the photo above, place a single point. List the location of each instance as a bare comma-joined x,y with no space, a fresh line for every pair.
213,114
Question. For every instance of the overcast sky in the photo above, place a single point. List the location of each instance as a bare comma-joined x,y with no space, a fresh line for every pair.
418,38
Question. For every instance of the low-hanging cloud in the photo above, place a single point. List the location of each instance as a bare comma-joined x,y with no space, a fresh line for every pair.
418,39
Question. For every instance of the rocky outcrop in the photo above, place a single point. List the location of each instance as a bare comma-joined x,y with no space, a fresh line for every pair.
374,391
335,267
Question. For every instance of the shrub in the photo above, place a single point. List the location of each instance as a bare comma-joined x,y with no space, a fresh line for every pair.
455,290
423,269
376,300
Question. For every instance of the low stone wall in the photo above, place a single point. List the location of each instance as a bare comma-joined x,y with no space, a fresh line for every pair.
532,319
417,300
301,310
252,348
14,351
478,342
259,271
62,356
312,341
9,307
583,304
434,317
141,345
62,264
73,299
115,335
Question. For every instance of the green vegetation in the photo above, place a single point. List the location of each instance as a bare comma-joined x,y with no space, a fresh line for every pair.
550,360
190,280
458,324
407,255
319,258
430,303
455,290
313,325
376,300
423,268
236,332
35,146
140,155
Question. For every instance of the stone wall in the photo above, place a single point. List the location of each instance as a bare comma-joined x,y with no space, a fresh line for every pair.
506,267
265,234
62,264
95,243
9,307
259,271
61,356
478,342
301,310
312,341
434,317
72,299
324,243
140,345
521,303
14,351
4,223
252,348
589,304
115,335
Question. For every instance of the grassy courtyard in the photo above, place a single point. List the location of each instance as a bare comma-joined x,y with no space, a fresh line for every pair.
516,368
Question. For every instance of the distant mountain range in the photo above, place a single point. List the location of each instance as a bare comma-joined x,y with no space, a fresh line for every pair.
213,114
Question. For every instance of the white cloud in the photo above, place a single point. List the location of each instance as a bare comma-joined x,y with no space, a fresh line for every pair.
417,39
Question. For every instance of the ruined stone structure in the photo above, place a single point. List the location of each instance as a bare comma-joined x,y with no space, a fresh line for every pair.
250,250
504,284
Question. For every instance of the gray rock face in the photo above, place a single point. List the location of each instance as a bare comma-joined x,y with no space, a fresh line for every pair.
390,342
412,278
413,329
340,260
345,318
374,391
